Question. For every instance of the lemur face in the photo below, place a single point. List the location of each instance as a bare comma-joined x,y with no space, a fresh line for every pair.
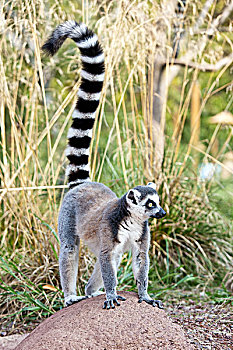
143,201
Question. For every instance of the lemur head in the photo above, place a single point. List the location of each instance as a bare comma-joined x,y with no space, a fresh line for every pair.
143,201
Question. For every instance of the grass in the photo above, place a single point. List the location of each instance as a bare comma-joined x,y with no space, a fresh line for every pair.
191,249
30,300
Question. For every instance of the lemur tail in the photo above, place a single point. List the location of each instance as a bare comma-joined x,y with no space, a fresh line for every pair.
92,76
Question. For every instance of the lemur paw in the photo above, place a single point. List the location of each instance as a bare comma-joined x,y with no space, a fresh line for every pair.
72,299
95,294
109,303
151,302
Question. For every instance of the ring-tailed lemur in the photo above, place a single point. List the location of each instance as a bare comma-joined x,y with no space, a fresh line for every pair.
91,211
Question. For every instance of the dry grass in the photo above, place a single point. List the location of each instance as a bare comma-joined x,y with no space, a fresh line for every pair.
37,100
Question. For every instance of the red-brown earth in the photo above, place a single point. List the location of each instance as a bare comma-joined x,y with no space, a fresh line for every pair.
86,325
207,325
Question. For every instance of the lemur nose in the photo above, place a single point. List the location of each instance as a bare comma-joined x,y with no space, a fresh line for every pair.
163,213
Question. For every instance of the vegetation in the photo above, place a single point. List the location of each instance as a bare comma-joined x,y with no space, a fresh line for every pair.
191,248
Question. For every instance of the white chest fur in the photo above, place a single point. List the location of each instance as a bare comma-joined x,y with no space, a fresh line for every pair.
129,233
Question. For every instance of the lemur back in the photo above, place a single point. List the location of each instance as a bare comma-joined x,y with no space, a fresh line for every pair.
90,210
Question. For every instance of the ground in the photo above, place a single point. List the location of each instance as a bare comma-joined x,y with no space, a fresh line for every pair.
207,325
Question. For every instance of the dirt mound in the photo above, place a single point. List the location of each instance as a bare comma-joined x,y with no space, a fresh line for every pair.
86,325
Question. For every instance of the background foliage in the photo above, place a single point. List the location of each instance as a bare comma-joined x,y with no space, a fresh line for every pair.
192,246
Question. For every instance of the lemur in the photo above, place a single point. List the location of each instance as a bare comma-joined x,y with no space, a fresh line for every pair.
90,211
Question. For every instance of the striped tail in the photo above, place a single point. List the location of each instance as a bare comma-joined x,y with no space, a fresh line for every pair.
92,74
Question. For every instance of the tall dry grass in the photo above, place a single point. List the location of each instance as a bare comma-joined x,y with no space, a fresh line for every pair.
37,99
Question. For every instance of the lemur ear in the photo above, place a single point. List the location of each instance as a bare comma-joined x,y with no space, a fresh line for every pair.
133,196
152,185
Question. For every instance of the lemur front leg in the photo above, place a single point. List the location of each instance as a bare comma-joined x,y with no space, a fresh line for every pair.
141,270
110,281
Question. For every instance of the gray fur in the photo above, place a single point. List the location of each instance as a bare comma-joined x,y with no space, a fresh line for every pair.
93,213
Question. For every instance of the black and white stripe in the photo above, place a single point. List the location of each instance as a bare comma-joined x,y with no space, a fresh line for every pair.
92,77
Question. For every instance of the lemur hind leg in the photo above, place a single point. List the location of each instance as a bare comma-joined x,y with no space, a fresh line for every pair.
68,266
95,282
69,251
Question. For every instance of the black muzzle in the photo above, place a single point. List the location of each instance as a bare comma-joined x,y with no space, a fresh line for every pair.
160,214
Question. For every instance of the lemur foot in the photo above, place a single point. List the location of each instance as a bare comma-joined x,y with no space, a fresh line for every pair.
96,294
152,302
72,299
109,303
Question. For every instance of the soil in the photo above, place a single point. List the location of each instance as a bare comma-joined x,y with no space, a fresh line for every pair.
207,325
86,325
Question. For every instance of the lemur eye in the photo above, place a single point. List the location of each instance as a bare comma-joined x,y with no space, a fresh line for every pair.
150,204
